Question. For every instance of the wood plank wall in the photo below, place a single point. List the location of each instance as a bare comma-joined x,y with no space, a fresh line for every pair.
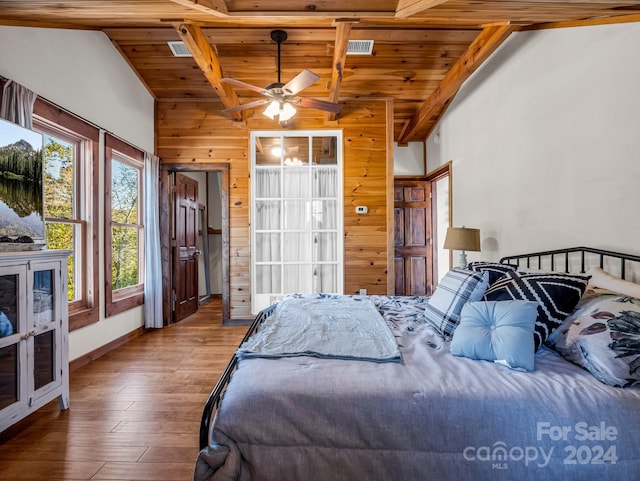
194,131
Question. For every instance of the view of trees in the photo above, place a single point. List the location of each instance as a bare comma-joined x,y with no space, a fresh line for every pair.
124,219
58,200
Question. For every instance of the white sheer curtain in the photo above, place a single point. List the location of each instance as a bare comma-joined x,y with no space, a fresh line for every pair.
153,259
296,222
17,104
267,217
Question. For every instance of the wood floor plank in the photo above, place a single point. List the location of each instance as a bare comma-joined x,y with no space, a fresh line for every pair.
134,413
146,471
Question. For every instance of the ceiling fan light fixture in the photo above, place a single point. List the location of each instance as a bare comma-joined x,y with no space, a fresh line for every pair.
272,109
283,110
287,112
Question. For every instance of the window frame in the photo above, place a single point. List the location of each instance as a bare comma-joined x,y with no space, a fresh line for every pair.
126,298
51,119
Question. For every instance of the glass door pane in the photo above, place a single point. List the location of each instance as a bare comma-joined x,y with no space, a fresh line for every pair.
8,375
9,305
43,307
44,359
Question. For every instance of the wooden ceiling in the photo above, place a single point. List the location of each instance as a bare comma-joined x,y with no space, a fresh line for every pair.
423,50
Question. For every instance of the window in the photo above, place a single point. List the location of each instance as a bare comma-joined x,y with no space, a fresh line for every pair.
124,230
296,214
70,203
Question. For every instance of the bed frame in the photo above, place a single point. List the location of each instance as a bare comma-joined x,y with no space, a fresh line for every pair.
582,256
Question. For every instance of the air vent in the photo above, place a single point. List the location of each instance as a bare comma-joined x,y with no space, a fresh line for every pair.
179,49
360,47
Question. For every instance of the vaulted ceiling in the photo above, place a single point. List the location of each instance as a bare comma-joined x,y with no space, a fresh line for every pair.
423,49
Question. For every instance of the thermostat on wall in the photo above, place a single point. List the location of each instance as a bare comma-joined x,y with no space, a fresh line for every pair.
362,209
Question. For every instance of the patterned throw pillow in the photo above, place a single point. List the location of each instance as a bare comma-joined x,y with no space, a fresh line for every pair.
603,336
457,287
557,295
496,270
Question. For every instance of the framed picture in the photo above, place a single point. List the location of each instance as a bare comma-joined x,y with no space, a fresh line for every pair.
22,224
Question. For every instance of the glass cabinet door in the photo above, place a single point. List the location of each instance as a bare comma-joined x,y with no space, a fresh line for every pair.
44,319
12,329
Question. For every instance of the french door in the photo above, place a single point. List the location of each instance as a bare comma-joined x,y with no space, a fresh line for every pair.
296,214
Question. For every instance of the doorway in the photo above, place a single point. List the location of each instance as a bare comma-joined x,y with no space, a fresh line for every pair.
173,284
422,214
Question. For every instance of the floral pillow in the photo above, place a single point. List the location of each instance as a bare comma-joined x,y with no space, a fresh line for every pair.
603,336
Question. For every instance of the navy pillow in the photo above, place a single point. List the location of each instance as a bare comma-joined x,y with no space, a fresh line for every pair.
556,294
499,331
496,270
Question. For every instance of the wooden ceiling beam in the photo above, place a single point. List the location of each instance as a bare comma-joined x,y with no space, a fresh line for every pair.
208,62
480,49
406,8
343,30
217,8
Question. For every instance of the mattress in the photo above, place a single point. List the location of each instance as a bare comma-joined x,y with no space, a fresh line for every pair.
434,416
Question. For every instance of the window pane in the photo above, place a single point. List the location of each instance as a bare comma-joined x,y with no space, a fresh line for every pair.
61,236
296,215
325,278
267,214
124,257
296,182
325,182
58,178
267,183
296,151
268,279
324,150
325,246
268,150
297,278
297,246
267,247
325,213
124,193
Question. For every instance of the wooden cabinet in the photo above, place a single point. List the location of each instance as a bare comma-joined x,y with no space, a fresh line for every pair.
34,358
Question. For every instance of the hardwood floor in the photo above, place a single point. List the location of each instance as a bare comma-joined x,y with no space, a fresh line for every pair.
135,412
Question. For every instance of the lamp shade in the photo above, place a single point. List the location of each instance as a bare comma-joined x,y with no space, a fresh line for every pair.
462,239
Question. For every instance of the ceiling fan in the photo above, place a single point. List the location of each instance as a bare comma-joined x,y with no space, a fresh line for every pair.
282,97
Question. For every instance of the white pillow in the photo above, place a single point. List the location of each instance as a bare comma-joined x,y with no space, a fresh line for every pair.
604,280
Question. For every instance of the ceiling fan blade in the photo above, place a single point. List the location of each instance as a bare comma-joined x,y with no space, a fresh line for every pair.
319,104
249,105
300,82
241,84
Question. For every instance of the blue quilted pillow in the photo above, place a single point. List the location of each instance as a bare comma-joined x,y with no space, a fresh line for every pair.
499,331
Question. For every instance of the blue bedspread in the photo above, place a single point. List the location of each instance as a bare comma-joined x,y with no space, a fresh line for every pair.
327,327
433,417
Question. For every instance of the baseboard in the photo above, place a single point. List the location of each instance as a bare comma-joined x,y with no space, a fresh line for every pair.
102,350
237,322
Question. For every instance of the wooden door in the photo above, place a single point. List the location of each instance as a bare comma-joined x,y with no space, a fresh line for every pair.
413,238
185,251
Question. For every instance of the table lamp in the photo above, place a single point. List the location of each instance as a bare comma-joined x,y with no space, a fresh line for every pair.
462,239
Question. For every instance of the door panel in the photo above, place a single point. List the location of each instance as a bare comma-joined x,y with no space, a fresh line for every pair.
413,244
185,252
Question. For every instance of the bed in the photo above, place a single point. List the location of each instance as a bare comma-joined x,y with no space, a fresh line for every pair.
435,415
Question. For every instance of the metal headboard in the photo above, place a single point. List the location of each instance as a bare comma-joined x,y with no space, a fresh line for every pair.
565,255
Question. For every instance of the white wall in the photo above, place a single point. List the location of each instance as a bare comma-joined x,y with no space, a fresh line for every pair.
82,72
545,143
